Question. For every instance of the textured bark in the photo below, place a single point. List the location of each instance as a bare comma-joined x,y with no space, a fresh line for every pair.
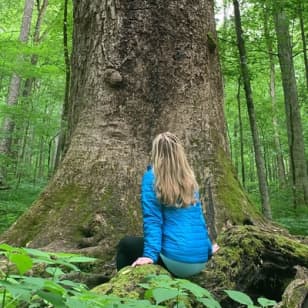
138,68
301,7
298,166
238,97
60,149
272,92
265,203
296,294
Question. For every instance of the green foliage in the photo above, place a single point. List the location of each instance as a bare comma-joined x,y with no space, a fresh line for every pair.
19,287
163,288
15,200
244,299
293,219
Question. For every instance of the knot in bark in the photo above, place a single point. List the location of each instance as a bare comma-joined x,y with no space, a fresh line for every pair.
113,77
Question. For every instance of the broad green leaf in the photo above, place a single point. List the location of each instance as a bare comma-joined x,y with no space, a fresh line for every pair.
54,271
144,285
35,283
17,291
148,294
194,288
54,287
37,253
73,284
22,261
6,247
73,258
80,259
239,297
180,305
75,302
209,302
55,299
162,294
265,302
67,264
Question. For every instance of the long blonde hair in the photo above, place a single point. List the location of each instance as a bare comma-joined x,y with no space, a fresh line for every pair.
175,182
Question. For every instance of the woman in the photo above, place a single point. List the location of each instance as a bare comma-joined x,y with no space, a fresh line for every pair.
175,232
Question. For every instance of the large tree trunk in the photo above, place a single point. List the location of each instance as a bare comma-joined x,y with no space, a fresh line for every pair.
138,68
298,166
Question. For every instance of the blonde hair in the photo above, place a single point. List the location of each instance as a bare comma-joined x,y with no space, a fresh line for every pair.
175,182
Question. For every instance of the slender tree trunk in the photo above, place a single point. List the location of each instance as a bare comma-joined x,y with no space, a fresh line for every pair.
36,39
61,145
298,165
13,93
272,92
265,203
238,97
27,89
236,142
301,7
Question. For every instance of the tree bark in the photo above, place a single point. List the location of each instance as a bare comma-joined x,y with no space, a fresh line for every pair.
265,203
61,144
298,166
138,68
301,8
28,85
13,93
272,92
238,97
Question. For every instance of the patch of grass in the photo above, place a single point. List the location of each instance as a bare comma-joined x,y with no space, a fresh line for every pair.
14,201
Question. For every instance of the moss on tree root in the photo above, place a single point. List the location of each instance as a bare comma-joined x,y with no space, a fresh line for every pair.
257,261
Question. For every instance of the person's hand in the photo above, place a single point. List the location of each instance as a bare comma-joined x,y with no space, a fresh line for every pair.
215,247
142,261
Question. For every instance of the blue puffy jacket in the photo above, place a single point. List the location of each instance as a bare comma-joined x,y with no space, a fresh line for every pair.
178,233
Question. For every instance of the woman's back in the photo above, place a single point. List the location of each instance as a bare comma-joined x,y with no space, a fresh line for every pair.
184,232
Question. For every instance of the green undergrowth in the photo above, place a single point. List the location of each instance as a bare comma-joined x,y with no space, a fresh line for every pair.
283,211
14,201
34,278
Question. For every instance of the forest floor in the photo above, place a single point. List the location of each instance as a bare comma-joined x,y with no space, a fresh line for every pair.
14,201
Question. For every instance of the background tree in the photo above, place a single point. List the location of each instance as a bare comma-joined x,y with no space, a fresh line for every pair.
266,208
298,165
13,93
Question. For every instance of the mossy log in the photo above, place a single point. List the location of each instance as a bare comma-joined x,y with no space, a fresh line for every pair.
257,261
295,295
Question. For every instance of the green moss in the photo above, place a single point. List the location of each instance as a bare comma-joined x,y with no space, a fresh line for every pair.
126,281
49,213
230,193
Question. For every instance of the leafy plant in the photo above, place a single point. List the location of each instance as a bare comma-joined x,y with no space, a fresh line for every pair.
163,288
244,299
17,288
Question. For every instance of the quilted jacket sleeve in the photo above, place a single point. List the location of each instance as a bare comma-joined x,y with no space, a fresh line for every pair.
152,218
